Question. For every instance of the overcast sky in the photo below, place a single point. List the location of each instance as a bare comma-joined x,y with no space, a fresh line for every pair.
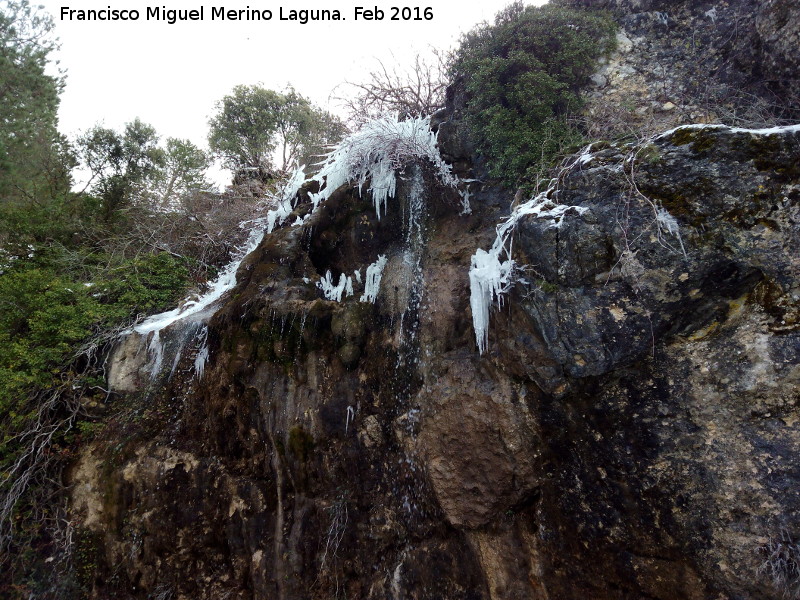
171,75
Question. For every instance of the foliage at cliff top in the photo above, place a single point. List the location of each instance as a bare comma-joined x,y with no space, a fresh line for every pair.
252,123
523,75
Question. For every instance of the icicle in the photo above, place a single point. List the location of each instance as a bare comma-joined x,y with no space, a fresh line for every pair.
175,362
156,349
335,292
202,355
491,272
374,153
489,277
466,209
373,280
668,223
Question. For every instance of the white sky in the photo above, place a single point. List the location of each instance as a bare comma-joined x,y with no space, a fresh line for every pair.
170,76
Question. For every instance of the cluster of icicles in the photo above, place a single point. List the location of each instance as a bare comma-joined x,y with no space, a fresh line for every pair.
376,153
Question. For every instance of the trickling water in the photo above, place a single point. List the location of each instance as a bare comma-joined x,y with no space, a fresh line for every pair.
172,343
408,485
415,247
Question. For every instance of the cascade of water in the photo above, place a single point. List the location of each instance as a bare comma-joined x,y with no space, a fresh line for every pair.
414,250
409,483
408,354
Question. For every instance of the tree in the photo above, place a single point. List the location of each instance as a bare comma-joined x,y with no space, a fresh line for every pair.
324,130
182,173
121,165
253,123
34,159
417,91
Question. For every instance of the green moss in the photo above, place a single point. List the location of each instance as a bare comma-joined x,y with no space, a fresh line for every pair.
547,287
602,145
649,154
86,558
682,137
764,149
679,205
350,322
786,169
301,443
701,139
279,339
280,447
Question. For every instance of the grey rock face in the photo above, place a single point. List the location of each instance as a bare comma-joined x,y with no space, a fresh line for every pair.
680,62
778,26
681,381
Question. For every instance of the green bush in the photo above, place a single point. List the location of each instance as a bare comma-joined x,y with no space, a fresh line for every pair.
46,315
523,77
145,285
54,301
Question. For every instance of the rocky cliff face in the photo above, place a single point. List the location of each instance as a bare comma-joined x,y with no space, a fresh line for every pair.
733,61
630,432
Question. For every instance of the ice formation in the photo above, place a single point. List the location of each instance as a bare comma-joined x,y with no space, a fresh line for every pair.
717,126
373,282
155,349
491,272
225,281
466,209
335,292
202,354
196,310
286,199
668,224
375,152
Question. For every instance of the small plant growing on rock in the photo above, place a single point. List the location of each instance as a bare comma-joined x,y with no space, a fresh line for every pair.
782,564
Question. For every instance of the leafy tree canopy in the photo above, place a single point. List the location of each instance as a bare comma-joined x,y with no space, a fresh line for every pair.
131,168
121,164
34,159
184,171
254,127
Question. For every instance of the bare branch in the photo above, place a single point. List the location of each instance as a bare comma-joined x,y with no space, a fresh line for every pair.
391,89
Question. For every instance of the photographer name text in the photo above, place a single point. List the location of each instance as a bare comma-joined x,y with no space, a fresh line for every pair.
172,16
